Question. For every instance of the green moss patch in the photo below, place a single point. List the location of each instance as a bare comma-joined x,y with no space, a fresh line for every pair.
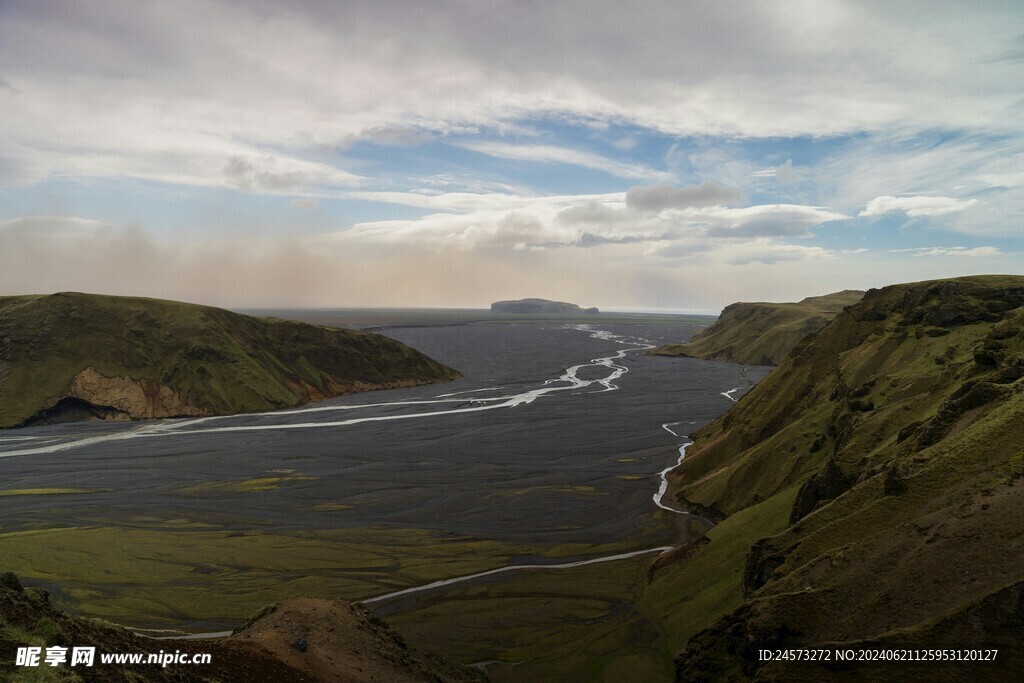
46,491
688,596
253,485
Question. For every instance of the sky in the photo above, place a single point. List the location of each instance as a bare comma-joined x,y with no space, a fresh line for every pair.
664,155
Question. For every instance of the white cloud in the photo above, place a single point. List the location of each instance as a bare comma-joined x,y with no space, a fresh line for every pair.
949,169
767,220
923,94
127,96
59,253
769,253
951,251
625,143
563,155
763,251
593,213
397,135
479,201
305,203
916,206
784,173
20,165
664,196
485,222
54,226
274,174
531,224
465,183
1002,178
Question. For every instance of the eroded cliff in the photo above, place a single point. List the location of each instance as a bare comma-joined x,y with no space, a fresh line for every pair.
76,356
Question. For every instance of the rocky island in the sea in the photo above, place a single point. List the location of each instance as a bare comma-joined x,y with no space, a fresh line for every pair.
540,306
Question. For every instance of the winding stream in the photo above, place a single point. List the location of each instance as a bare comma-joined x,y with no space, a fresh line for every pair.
571,380
568,381
658,497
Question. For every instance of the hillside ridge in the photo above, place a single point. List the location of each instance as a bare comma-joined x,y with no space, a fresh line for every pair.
299,640
71,356
884,460
762,333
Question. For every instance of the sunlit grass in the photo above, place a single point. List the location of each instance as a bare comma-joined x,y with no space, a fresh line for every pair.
46,491
182,574
253,485
687,596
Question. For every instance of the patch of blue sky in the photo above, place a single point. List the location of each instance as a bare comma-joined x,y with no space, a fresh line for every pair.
110,201
345,213
449,162
896,232
619,140
445,165
437,166
556,178
177,211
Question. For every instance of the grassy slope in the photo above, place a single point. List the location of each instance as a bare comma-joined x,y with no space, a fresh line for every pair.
572,625
28,620
689,596
216,361
900,427
762,333
344,639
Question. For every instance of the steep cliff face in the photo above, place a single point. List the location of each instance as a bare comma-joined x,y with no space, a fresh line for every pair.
762,333
80,356
888,453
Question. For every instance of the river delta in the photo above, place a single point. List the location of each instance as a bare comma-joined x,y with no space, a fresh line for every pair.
550,451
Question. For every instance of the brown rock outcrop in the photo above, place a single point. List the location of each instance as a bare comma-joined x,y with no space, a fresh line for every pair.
137,399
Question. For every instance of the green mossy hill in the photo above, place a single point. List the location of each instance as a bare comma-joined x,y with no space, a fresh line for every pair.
83,356
298,641
900,428
762,333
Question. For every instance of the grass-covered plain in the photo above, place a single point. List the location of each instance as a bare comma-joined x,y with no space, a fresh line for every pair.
586,623
251,485
43,491
606,622
181,573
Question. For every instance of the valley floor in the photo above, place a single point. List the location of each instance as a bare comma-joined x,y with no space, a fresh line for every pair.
193,524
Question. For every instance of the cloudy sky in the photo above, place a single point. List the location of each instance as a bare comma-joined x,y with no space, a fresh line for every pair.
641,155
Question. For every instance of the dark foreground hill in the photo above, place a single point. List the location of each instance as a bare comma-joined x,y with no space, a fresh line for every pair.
883,465
539,306
762,333
80,356
301,640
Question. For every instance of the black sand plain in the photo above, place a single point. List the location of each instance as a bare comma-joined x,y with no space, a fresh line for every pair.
569,475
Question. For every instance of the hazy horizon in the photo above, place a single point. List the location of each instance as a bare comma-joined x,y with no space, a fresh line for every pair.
655,311
643,156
